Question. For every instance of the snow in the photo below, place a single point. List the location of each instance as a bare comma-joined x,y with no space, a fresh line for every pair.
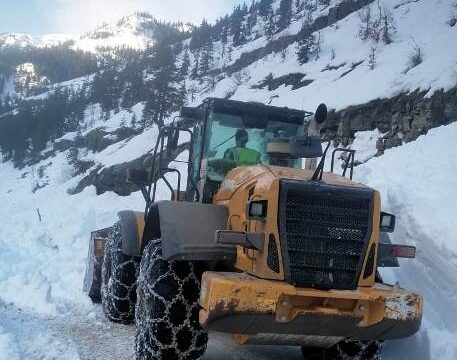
365,145
126,150
16,40
417,183
43,262
415,26
125,33
7,346
8,88
410,180
42,307
73,84
122,118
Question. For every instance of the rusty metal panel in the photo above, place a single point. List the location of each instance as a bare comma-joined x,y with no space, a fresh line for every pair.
93,277
243,304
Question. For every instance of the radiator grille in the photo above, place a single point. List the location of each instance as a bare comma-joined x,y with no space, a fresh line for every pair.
324,231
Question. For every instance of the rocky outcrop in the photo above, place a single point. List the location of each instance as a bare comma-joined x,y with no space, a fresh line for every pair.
295,80
96,140
114,178
401,119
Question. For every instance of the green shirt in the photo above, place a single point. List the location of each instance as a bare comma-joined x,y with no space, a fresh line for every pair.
243,156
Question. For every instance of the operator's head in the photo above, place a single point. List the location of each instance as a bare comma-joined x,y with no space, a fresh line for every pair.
241,138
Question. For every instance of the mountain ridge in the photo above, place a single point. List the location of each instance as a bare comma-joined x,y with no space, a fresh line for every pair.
134,31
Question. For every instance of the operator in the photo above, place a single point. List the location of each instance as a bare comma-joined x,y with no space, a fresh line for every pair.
242,155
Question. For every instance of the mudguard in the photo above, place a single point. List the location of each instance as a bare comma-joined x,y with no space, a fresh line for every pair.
188,231
132,228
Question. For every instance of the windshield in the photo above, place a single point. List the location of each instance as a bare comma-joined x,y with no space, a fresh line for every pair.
233,141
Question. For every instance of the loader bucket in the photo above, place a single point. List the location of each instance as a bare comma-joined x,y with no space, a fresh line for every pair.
93,277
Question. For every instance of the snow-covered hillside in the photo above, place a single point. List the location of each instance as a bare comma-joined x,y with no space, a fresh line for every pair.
341,75
345,71
135,31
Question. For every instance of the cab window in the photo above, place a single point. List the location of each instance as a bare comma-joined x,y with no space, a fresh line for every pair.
233,141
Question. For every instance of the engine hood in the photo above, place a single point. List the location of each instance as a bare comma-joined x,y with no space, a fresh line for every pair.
264,175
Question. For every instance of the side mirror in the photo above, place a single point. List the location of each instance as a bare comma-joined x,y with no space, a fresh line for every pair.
321,114
387,223
189,112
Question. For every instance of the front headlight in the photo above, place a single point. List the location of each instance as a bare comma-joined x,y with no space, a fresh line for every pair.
387,223
257,210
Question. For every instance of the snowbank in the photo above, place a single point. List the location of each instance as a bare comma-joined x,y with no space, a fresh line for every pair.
8,348
418,183
43,262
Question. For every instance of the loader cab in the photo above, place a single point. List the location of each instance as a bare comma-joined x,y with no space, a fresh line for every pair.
216,125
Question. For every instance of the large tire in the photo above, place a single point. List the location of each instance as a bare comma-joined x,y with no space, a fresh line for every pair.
119,274
346,350
167,308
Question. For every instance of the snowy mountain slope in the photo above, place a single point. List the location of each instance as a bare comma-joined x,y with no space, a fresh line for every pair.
136,31
340,75
341,48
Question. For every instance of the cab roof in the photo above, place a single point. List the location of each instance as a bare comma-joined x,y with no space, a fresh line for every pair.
255,110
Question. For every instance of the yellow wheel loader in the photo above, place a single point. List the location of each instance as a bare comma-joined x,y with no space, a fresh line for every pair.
255,246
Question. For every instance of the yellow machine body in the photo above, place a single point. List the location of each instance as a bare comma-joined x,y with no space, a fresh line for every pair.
258,305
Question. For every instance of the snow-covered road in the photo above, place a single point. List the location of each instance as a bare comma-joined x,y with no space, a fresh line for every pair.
81,337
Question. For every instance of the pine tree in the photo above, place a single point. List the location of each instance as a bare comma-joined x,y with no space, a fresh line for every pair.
192,91
206,58
165,93
224,39
388,27
185,64
299,6
285,14
265,8
200,36
318,46
271,26
196,68
368,27
133,121
236,25
123,122
252,19
307,45
372,58
7,103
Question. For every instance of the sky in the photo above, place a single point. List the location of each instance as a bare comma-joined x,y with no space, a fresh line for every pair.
76,16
